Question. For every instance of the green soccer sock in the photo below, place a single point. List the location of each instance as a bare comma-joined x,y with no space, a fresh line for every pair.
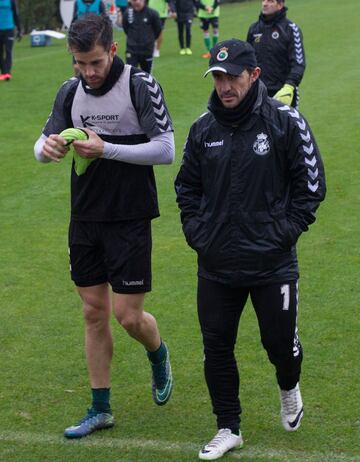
215,39
207,43
159,355
101,399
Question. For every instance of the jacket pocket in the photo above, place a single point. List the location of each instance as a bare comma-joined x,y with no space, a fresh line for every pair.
282,236
191,231
265,232
213,245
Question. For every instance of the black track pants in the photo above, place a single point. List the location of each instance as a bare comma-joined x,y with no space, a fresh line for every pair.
219,309
187,26
6,46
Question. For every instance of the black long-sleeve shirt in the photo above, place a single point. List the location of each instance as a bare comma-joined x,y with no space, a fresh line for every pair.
184,9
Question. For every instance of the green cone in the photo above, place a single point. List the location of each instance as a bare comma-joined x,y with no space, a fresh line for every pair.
70,135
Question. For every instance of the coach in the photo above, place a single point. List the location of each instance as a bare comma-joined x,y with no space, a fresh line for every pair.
279,49
249,184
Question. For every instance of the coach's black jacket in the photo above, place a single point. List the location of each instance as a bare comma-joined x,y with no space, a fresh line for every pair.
247,192
279,50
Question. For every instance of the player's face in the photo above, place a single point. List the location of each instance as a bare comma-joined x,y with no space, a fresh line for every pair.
94,65
271,6
138,5
232,89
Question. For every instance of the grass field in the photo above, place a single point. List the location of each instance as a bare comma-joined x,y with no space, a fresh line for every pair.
44,386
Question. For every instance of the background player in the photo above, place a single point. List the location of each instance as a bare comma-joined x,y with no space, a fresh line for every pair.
142,26
279,51
9,22
208,13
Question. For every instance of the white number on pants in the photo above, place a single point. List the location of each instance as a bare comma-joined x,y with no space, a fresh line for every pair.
285,292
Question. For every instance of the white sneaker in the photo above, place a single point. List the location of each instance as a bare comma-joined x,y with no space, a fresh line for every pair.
156,53
292,409
222,442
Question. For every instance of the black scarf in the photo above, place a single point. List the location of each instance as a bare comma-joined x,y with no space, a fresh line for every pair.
115,71
234,116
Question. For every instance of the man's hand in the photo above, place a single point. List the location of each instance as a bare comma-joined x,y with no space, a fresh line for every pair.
209,9
285,94
55,148
91,148
18,36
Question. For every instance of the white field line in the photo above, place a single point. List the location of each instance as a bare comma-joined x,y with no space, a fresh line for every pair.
289,455
252,453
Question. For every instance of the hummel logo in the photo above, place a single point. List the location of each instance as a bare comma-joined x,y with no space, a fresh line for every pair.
213,144
133,283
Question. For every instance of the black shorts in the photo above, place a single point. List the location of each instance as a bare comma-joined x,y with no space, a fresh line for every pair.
144,61
205,23
114,252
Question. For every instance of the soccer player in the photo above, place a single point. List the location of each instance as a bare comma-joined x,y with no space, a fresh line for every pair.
184,11
162,7
82,7
249,184
113,201
9,21
142,26
279,49
208,13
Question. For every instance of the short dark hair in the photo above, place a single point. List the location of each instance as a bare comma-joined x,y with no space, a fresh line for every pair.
90,30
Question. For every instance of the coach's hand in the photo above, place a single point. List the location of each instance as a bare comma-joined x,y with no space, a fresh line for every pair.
91,148
55,148
285,94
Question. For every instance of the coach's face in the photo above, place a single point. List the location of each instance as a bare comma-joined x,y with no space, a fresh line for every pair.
271,6
232,89
138,5
94,65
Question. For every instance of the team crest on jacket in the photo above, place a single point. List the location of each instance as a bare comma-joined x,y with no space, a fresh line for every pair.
261,146
275,35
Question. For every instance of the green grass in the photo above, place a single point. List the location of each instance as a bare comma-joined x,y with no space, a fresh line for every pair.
44,384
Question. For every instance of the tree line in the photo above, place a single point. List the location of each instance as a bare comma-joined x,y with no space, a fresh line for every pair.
39,14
